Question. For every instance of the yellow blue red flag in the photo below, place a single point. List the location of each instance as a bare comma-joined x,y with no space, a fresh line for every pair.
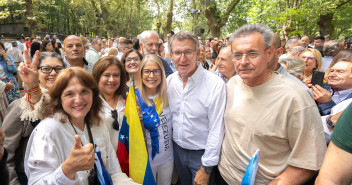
131,150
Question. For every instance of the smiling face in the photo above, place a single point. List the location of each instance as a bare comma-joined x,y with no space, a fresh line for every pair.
47,80
76,101
109,80
185,66
340,76
132,62
153,80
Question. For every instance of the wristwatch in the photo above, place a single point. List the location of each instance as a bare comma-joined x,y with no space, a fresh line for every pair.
329,122
207,169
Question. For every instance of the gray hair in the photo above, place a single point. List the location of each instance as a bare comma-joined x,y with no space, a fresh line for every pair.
292,41
46,54
296,50
95,41
295,66
249,29
143,35
184,35
331,47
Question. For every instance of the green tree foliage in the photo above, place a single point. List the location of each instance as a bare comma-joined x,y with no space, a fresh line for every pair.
218,18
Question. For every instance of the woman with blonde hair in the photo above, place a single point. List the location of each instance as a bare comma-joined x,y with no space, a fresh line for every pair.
154,107
313,61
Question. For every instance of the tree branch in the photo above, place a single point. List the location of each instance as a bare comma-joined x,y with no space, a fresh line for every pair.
229,9
342,3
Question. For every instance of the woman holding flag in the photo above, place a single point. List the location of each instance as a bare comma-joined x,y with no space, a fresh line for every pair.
71,145
153,103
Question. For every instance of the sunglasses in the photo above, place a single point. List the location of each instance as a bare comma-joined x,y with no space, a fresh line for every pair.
115,123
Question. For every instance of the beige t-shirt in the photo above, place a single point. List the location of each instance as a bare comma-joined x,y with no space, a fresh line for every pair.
278,117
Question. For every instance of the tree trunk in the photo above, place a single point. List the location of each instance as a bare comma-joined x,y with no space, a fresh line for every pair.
169,15
215,21
32,24
325,25
130,21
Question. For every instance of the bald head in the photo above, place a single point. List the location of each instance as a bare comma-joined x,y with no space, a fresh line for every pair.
73,50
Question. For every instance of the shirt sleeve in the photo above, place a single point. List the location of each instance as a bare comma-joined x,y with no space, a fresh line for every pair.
342,135
43,164
13,129
11,68
216,125
306,139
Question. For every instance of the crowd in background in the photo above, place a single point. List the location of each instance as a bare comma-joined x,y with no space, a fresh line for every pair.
205,115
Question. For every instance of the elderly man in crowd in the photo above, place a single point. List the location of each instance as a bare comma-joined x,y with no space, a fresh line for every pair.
331,49
338,88
149,42
73,50
93,54
295,51
266,111
197,102
225,66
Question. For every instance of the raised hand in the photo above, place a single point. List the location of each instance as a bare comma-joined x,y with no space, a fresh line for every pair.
28,70
81,158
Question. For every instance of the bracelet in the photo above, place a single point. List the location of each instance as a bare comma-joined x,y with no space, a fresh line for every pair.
33,90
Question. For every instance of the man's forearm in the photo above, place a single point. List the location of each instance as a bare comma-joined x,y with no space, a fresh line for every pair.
293,175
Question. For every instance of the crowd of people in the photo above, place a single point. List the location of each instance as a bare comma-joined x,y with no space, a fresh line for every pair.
206,106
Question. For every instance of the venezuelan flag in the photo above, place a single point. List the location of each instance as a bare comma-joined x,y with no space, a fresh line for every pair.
131,150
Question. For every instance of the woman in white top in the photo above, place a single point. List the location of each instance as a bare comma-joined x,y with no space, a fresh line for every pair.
154,107
110,75
60,149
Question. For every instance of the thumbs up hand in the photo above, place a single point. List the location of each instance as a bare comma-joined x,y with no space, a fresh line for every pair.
81,158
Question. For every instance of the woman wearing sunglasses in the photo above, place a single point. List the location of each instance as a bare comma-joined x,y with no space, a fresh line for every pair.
24,114
110,76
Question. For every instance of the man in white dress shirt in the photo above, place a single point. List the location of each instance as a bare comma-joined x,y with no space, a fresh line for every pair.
197,103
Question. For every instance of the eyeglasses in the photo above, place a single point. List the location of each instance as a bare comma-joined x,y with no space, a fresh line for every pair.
115,123
309,58
48,69
250,55
129,60
188,53
155,72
